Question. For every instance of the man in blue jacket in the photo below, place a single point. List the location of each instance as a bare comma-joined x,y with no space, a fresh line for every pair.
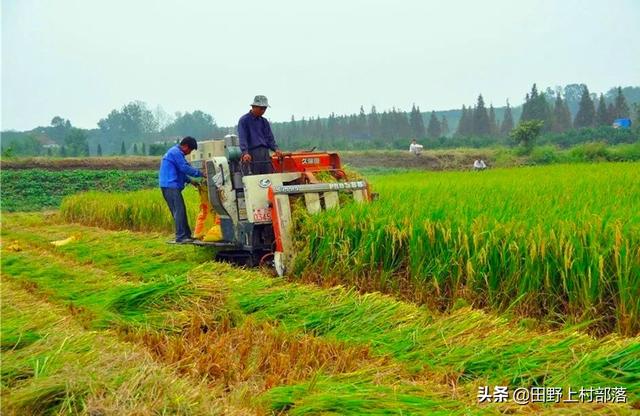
256,138
174,174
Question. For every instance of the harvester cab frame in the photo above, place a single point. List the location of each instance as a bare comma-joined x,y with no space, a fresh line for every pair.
255,211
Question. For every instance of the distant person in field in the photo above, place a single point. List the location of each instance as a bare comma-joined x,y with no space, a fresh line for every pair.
479,165
415,148
256,138
174,175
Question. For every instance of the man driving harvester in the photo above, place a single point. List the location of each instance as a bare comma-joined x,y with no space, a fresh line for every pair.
256,138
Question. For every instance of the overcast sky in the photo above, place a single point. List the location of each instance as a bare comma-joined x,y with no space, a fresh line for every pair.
80,59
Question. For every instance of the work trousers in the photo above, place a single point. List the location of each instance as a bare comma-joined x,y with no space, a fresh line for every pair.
178,210
260,161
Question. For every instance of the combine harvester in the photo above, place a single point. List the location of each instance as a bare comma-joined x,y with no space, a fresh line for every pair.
255,211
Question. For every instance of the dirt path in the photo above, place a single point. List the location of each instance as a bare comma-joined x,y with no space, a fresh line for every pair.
430,160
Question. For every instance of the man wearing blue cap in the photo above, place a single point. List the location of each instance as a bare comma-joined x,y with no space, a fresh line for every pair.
256,138
174,174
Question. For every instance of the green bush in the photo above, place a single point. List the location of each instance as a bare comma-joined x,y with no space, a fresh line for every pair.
544,155
625,152
590,152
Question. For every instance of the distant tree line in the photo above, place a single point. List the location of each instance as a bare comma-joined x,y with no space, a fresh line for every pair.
135,129
131,130
474,125
592,111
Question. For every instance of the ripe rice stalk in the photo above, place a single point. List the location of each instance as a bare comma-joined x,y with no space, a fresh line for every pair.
554,238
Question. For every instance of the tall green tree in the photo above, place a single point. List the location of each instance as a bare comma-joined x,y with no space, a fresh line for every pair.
157,149
621,106
374,122
636,119
434,128
144,149
631,95
416,122
133,121
572,95
611,112
363,128
465,125
99,151
293,129
460,128
197,124
123,149
401,126
445,126
602,114
493,125
481,126
526,133
586,111
561,121
76,143
59,128
507,121
536,107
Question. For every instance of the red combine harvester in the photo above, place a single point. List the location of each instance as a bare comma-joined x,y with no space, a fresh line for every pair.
255,210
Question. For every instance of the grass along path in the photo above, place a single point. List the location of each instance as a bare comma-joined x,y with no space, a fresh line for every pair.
410,358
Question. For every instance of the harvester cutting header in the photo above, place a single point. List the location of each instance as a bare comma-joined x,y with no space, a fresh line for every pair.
255,211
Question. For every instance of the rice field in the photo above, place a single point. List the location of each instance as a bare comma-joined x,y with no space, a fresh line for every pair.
450,283
144,210
125,326
558,243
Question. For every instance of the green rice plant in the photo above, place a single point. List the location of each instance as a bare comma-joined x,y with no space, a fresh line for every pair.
138,211
358,394
260,330
561,242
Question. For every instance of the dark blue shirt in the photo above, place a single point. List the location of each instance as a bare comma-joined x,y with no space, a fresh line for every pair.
255,132
174,169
